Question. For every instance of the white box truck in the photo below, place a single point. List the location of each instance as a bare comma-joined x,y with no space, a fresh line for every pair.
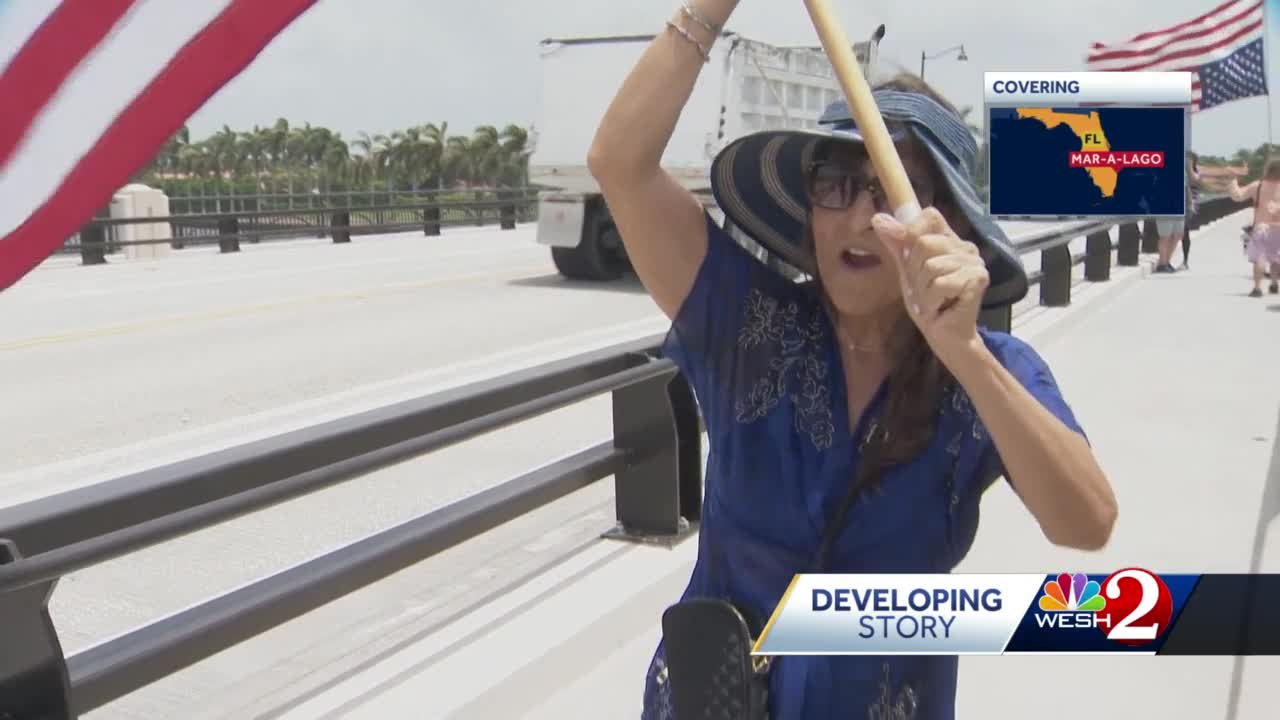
748,86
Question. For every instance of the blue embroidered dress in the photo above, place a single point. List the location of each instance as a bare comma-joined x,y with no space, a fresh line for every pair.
759,353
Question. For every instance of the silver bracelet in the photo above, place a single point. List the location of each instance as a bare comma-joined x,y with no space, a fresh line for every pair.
706,54
697,17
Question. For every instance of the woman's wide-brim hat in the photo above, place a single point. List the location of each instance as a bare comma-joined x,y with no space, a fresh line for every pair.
759,182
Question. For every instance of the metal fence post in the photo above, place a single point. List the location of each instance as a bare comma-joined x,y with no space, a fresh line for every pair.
1150,236
1097,256
1127,246
93,239
507,212
340,225
1055,283
33,670
431,221
689,429
659,493
229,234
998,319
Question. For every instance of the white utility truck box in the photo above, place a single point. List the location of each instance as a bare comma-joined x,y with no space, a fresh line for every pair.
747,86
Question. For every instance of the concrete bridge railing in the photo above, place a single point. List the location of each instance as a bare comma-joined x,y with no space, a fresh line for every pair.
654,456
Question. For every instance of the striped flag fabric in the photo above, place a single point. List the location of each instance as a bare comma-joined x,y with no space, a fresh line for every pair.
1223,49
92,90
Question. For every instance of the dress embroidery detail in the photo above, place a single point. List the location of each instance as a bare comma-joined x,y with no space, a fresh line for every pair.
889,706
659,705
961,403
795,371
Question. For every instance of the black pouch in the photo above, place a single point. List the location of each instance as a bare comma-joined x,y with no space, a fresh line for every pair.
708,642
712,673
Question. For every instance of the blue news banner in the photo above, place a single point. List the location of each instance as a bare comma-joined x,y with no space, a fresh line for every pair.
1132,610
1087,161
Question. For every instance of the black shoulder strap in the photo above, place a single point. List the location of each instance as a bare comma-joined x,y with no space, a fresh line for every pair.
868,470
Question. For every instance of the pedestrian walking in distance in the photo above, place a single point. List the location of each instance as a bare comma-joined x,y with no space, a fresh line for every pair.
1263,246
1192,208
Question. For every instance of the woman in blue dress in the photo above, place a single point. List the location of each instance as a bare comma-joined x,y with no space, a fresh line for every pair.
879,333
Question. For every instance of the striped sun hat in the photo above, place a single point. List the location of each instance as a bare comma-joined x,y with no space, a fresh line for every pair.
759,182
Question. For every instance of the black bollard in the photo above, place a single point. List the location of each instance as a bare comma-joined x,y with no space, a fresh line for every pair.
93,240
1055,279
1097,256
34,682
340,225
507,212
431,221
229,233
998,319
657,497
1127,247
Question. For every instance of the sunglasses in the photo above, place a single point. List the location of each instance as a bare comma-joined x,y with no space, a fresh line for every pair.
836,186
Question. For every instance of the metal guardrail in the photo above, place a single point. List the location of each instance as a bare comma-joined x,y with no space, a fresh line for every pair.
231,203
655,458
104,235
1135,236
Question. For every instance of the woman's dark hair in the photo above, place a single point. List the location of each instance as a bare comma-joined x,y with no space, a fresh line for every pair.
1273,170
918,380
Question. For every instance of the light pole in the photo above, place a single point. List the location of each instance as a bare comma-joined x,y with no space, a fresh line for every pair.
865,52
961,56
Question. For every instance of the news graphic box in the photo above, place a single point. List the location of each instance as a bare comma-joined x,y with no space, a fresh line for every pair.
1070,145
1131,610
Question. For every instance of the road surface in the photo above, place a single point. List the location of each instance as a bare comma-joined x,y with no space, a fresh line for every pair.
137,363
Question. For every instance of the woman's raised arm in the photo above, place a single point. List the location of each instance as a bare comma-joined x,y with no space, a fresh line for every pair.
1238,193
661,224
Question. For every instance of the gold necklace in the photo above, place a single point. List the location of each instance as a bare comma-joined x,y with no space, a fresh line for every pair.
850,344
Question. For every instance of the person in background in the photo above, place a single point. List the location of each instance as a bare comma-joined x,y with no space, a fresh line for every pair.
1193,206
1263,248
1170,230
856,416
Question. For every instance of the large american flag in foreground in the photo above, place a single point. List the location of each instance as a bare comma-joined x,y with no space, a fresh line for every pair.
1223,50
91,91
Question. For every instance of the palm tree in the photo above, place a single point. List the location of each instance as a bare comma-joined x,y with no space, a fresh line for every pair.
457,163
415,156
486,155
335,159
515,144
438,135
306,158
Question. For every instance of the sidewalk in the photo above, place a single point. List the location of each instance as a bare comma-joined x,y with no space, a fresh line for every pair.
1170,378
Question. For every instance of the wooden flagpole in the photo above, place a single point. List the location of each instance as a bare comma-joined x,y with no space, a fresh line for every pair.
884,156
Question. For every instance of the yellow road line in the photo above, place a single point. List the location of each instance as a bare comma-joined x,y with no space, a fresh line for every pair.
155,323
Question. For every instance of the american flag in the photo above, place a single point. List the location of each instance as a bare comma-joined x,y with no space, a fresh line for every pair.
1222,49
92,90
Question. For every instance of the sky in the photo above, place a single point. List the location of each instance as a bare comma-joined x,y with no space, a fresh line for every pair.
380,65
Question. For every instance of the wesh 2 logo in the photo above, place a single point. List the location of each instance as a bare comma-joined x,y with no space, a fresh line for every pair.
1131,606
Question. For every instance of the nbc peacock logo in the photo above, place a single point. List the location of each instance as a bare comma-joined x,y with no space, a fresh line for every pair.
1072,593
1072,601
